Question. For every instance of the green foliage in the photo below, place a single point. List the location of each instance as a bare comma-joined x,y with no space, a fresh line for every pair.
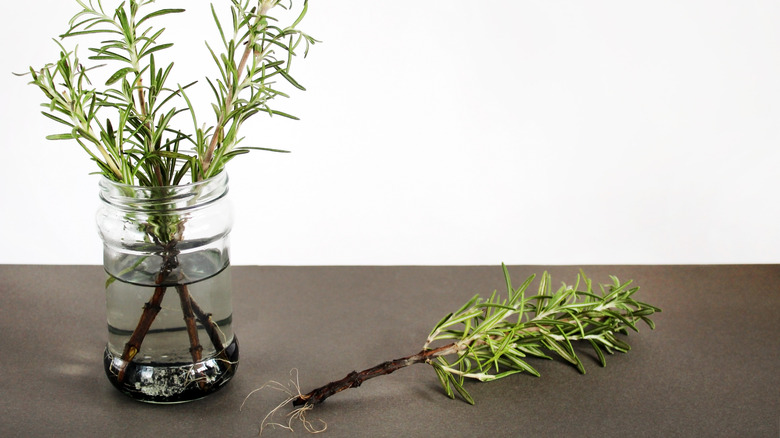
126,126
493,337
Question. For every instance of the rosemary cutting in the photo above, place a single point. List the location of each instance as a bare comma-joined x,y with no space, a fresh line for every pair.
491,338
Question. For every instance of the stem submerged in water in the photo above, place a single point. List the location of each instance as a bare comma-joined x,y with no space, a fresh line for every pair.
191,312
133,345
196,350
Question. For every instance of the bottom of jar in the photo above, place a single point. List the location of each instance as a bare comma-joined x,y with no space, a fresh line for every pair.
172,383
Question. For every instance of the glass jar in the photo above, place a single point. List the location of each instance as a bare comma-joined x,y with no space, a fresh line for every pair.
168,290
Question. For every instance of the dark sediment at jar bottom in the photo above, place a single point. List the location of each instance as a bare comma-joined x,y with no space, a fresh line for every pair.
173,383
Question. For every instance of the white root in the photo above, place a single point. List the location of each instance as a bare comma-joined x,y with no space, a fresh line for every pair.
293,391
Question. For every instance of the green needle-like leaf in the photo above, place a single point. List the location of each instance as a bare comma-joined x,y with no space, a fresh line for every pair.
159,13
68,136
120,74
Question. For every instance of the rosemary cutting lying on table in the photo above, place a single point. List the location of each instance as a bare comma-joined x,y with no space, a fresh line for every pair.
488,339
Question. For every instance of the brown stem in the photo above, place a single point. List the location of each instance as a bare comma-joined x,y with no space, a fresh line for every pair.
196,350
151,309
211,329
355,379
133,345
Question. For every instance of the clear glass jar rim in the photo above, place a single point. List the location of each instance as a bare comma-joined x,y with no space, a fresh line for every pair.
168,197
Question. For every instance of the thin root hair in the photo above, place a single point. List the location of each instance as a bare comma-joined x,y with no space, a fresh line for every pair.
293,391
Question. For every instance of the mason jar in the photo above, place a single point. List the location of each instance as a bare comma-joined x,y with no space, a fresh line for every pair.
168,289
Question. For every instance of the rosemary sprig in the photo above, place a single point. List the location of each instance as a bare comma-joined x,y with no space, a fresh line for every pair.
488,339
126,126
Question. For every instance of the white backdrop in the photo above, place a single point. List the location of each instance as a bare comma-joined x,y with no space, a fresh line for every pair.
460,132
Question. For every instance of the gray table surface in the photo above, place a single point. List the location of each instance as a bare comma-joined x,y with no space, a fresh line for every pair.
711,367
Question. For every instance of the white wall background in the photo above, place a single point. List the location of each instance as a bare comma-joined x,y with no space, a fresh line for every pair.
461,132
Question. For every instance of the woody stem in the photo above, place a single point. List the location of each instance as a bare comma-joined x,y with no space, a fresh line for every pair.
355,379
